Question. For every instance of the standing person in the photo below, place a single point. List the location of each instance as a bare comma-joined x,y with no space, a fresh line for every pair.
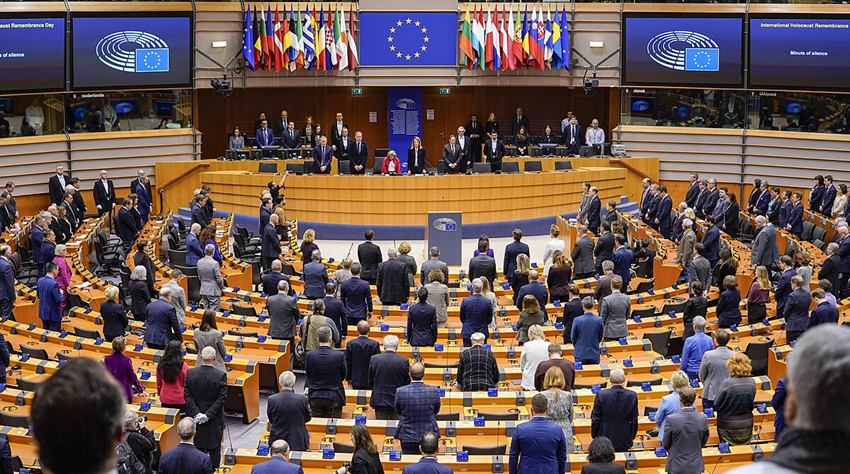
695,348
555,360
670,403
185,458
140,296
824,311
433,263
416,157
711,242
366,459
530,316
604,249
428,447
145,199
615,413
393,280
178,295
476,133
663,217
141,258
728,265
315,276
57,183
593,210
358,355
308,246
452,158
438,296
476,313
194,251
536,289
103,193
121,367
535,351
831,268
734,402
572,310
212,283
271,249
283,316
161,322
405,257
358,153
422,321
477,369
560,402
700,268
559,278
758,296
48,247
581,217
288,414
63,278
206,392
512,250
113,313
417,405
8,295
622,260
322,157
687,433
520,277
600,454
483,264
208,335
797,309
614,311
356,295
696,306
387,372
369,256
171,374
587,334
326,370
728,308
50,299
713,370
582,255
279,461
539,445
140,439
494,151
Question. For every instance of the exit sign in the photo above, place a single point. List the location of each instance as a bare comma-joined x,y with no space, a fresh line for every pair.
357,91
445,91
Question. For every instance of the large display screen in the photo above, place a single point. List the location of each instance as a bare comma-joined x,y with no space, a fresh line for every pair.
131,52
800,53
32,54
682,50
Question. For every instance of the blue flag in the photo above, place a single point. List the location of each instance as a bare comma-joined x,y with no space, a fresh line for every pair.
248,40
152,60
408,39
565,40
702,59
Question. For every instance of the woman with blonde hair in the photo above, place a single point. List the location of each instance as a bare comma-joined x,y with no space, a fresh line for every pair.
535,351
734,402
531,315
520,278
113,314
438,296
670,403
559,277
282,227
487,292
416,158
554,244
410,262
758,296
308,245
560,409
391,165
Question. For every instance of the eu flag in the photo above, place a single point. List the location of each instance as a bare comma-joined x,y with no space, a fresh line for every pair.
408,39
152,60
702,59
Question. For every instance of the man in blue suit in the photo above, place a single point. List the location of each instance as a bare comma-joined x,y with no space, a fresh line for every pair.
185,458
417,405
663,217
127,229
194,252
511,252
264,135
279,450
476,312
783,288
161,323
593,218
538,445
145,199
535,289
586,334
356,295
428,464
622,260
711,241
7,284
711,199
764,199
326,370
795,215
387,372
358,355
322,156
199,214
828,197
796,310
50,298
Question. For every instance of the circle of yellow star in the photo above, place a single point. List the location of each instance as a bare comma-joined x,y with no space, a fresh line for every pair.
392,30
398,55
417,55
398,23
417,23
390,39
407,21
424,48
392,48
424,30
407,57
425,39
395,29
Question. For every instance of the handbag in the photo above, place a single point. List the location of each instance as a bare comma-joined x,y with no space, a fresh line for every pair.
300,349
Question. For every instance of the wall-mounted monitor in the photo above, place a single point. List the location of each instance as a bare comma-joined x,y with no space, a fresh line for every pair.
683,50
131,52
32,54
807,53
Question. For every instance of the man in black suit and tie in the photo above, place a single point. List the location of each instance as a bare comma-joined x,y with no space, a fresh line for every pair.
288,414
336,130
494,150
56,185
185,458
512,251
71,212
572,136
693,190
104,194
358,154
464,144
6,217
199,215
358,355
593,218
483,265
711,198
615,413
271,242
369,256
11,204
291,137
519,121
387,372
394,280
264,135
475,132
206,392
341,151
326,370
322,156
79,203
335,310
127,229
451,156
282,126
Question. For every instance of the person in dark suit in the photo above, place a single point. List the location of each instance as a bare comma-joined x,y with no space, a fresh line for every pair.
494,151
417,405
103,193
336,130
161,323
796,309
135,183
538,445
477,369
56,184
366,459
393,280
685,434
604,249
279,461
369,256
264,135
199,214
600,454
711,198
615,413
693,190
322,157
8,295
582,255
113,314
288,414
476,133
783,287
663,217
511,251
824,311
343,148
291,137
417,159
483,265
831,268
282,125
476,313
452,156
271,249
711,241
572,136
795,216
79,203
622,260
185,458
272,278
421,321
518,122
145,199
127,230
535,289
433,263
358,355
593,218
356,296
72,214
358,154
326,369
464,144
843,288
387,372
315,277
825,206
50,298
335,309
429,446
206,392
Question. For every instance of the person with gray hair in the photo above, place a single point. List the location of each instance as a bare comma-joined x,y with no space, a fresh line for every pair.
603,285
433,263
161,321
315,277
272,279
178,295
615,413
393,280
586,334
815,407
140,296
8,295
283,317
477,368
140,439
830,269
326,371
279,462
476,313
209,273
387,372
288,414
687,242
310,330
614,311
206,392
765,251
695,347
185,458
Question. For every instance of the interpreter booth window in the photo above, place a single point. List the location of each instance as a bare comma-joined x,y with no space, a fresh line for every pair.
31,115
683,108
800,112
128,110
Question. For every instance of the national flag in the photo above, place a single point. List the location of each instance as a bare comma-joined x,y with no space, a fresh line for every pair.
278,42
537,33
525,28
292,35
299,35
353,57
476,39
321,60
258,44
330,42
565,40
497,41
264,41
341,38
547,40
504,41
482,44
287,39
309,42
515,30
269,53
557,62
248,40
489,42
466,41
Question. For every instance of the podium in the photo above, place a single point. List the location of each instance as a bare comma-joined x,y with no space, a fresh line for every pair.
445,231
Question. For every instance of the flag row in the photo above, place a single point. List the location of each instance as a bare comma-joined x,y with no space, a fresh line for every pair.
501,40
273,41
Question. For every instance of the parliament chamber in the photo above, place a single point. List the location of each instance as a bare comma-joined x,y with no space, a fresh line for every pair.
169,165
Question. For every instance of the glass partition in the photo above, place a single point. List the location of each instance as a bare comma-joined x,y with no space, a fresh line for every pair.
799,111
683,108
128,110
29,115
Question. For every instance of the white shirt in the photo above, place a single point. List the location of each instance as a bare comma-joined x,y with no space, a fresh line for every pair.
61,178
460,140
35,115
533,353
551,247
595,136
572,133
339,127
564,124
391,167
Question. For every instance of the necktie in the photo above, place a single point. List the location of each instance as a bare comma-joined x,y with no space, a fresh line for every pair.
573,135
453,149
358,147
290,134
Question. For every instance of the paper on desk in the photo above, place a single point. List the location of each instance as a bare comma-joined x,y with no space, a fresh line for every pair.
83,285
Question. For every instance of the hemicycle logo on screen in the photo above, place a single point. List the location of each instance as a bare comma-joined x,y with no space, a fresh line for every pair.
684,51
133,51
445,224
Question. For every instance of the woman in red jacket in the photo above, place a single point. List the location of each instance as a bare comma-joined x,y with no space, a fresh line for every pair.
171,376
391,165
